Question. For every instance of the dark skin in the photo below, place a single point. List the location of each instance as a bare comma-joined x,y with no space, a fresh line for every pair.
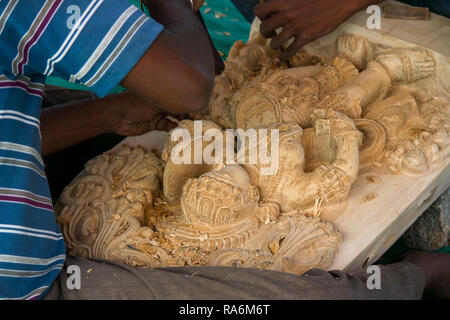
174,76
124,114
303,20
180,61
182,67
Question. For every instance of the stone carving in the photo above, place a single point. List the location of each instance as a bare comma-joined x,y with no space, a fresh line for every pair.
373,144
175,175
222,215
405,102
107,203
372,105
408,64
244,62
294,244
222,219
283,95
336,144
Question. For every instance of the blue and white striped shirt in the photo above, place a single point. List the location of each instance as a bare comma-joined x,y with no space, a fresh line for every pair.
39,38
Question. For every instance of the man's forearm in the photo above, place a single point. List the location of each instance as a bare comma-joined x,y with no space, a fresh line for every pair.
66,125
178,17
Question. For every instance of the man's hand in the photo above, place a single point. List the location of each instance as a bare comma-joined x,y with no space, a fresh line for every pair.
133,116
63,126
303,20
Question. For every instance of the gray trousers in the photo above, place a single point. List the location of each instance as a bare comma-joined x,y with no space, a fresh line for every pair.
109,280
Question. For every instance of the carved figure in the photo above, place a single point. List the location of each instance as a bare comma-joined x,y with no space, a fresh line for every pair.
285,96
414,142
225,223
337,144
373,105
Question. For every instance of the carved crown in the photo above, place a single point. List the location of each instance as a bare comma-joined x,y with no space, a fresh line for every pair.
219,198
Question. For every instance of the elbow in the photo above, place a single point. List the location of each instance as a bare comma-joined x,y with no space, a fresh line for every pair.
201,94
197,93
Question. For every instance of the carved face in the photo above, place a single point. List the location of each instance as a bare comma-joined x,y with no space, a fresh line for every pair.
256,109
395,114
414,161
218,198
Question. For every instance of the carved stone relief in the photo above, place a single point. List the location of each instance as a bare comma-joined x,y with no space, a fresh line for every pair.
371,106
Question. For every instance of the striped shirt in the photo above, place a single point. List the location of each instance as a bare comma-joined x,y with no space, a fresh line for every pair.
93,42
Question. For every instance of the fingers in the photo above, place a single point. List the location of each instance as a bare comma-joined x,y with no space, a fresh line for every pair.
264,10
282,38
162,123
293,48
270,25
274,15
166,125
154,122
